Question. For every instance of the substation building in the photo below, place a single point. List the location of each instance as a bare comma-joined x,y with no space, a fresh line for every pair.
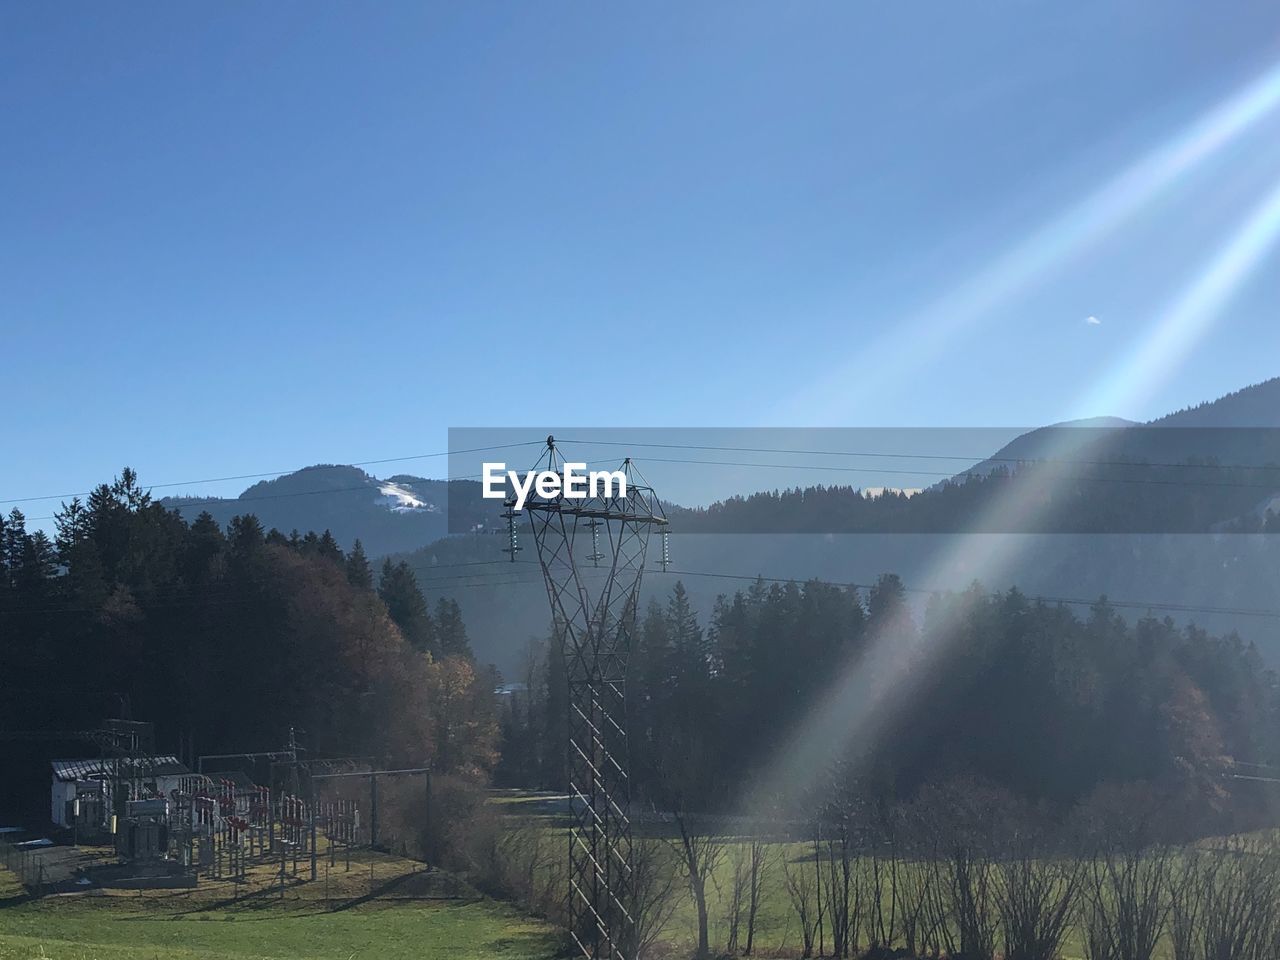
83,792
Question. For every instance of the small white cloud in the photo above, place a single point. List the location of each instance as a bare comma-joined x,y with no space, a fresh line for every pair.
1093,321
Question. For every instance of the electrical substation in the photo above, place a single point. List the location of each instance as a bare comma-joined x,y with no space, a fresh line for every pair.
166,825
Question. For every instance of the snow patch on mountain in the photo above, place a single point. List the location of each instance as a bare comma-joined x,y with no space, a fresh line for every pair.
400,499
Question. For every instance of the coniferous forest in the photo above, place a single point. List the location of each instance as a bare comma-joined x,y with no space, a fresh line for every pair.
228,639
1048,706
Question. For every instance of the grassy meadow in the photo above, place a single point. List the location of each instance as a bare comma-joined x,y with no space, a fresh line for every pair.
384,908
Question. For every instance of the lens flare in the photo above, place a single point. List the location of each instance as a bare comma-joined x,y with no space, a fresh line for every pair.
1191,314
926,335
873,690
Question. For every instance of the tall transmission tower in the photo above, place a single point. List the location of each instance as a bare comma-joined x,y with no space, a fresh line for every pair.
593,622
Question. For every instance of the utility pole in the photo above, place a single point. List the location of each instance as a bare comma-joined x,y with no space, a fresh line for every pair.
593,625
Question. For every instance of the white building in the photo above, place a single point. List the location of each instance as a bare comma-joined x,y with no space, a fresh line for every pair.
91,781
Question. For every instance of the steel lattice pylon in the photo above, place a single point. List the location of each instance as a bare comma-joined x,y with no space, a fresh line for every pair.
593,626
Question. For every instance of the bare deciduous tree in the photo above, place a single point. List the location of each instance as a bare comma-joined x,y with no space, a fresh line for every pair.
651,897
845,890
884,886
761,857
1037,898
749,861
1190,873
802,887
971,903
700,853
1238,920
1127,902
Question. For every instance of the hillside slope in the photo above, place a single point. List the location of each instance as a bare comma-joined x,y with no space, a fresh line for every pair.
1257,405
401,512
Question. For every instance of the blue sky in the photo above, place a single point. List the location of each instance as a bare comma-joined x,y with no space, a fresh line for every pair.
243,237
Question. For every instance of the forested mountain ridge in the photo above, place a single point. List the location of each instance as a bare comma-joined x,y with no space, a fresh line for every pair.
1211,468
1205,430
1257,405
1166,557
402,513
399,513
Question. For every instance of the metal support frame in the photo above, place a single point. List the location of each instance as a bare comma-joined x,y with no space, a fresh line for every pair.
593,629
372,776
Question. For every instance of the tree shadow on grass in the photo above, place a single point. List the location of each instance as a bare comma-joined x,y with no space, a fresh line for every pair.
267,898
546,943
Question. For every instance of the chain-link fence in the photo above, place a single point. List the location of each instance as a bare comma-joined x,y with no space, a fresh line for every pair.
27,865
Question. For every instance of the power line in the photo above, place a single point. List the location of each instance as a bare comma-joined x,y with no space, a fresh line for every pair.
502,578
807,467
280,473
206,501
148,598
1041,598
924,456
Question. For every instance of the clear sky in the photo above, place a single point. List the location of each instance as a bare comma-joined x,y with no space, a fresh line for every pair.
241,237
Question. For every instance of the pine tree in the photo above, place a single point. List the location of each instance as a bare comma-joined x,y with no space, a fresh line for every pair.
398,588
72,523
245,535
359,575
887,605
450,629
328,548
15,539
689,646
37,564
128,494
205,542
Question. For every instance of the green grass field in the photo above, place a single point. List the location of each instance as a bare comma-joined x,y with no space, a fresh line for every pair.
399,912
383,907
777,926
777,929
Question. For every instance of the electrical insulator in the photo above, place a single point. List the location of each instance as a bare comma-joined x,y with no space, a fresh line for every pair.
513,537
596,556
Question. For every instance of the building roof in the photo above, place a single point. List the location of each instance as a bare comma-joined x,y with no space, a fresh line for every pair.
68,770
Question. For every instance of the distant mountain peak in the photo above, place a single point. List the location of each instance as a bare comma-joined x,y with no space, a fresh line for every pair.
389,515
1094,423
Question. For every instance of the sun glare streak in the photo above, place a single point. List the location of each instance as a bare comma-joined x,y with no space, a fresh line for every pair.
874,690
925,336
1191,314
871,691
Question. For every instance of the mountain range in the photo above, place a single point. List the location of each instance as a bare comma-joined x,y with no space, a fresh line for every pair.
391,515
1178,555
